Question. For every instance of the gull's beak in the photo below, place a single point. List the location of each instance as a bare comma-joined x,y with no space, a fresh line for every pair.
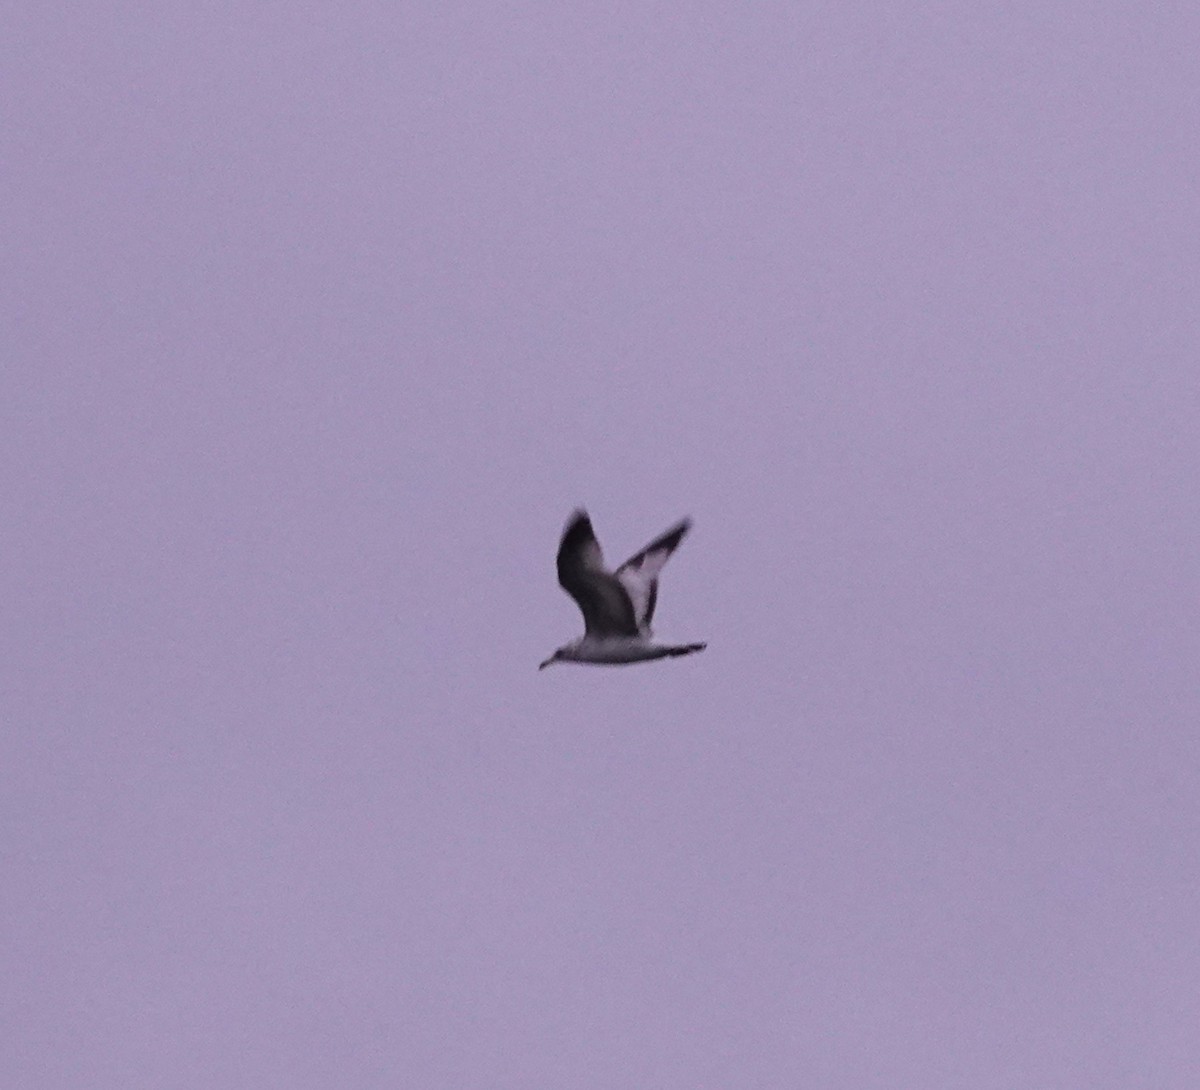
543,665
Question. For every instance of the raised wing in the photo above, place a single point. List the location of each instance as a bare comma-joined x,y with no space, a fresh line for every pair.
601,597
639,574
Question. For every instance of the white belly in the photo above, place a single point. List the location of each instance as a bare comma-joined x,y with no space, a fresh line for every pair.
614,651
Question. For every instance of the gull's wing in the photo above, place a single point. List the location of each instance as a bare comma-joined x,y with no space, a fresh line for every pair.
639,574
602,599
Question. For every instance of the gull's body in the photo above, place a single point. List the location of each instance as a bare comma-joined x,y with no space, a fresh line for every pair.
617,606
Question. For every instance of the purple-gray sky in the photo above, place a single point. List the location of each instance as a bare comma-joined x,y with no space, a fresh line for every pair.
317,322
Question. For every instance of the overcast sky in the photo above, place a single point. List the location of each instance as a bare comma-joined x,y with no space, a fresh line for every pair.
319,319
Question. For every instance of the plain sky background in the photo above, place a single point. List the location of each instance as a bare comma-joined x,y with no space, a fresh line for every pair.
318,319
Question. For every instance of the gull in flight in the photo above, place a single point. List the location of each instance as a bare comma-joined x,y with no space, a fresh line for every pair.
616,606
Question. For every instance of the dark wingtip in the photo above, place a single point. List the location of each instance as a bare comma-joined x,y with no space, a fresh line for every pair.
671,539
578,528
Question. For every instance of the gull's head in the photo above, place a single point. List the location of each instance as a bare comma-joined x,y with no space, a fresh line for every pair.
569,652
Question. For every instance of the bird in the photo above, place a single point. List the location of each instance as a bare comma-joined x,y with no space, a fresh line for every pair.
617,606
